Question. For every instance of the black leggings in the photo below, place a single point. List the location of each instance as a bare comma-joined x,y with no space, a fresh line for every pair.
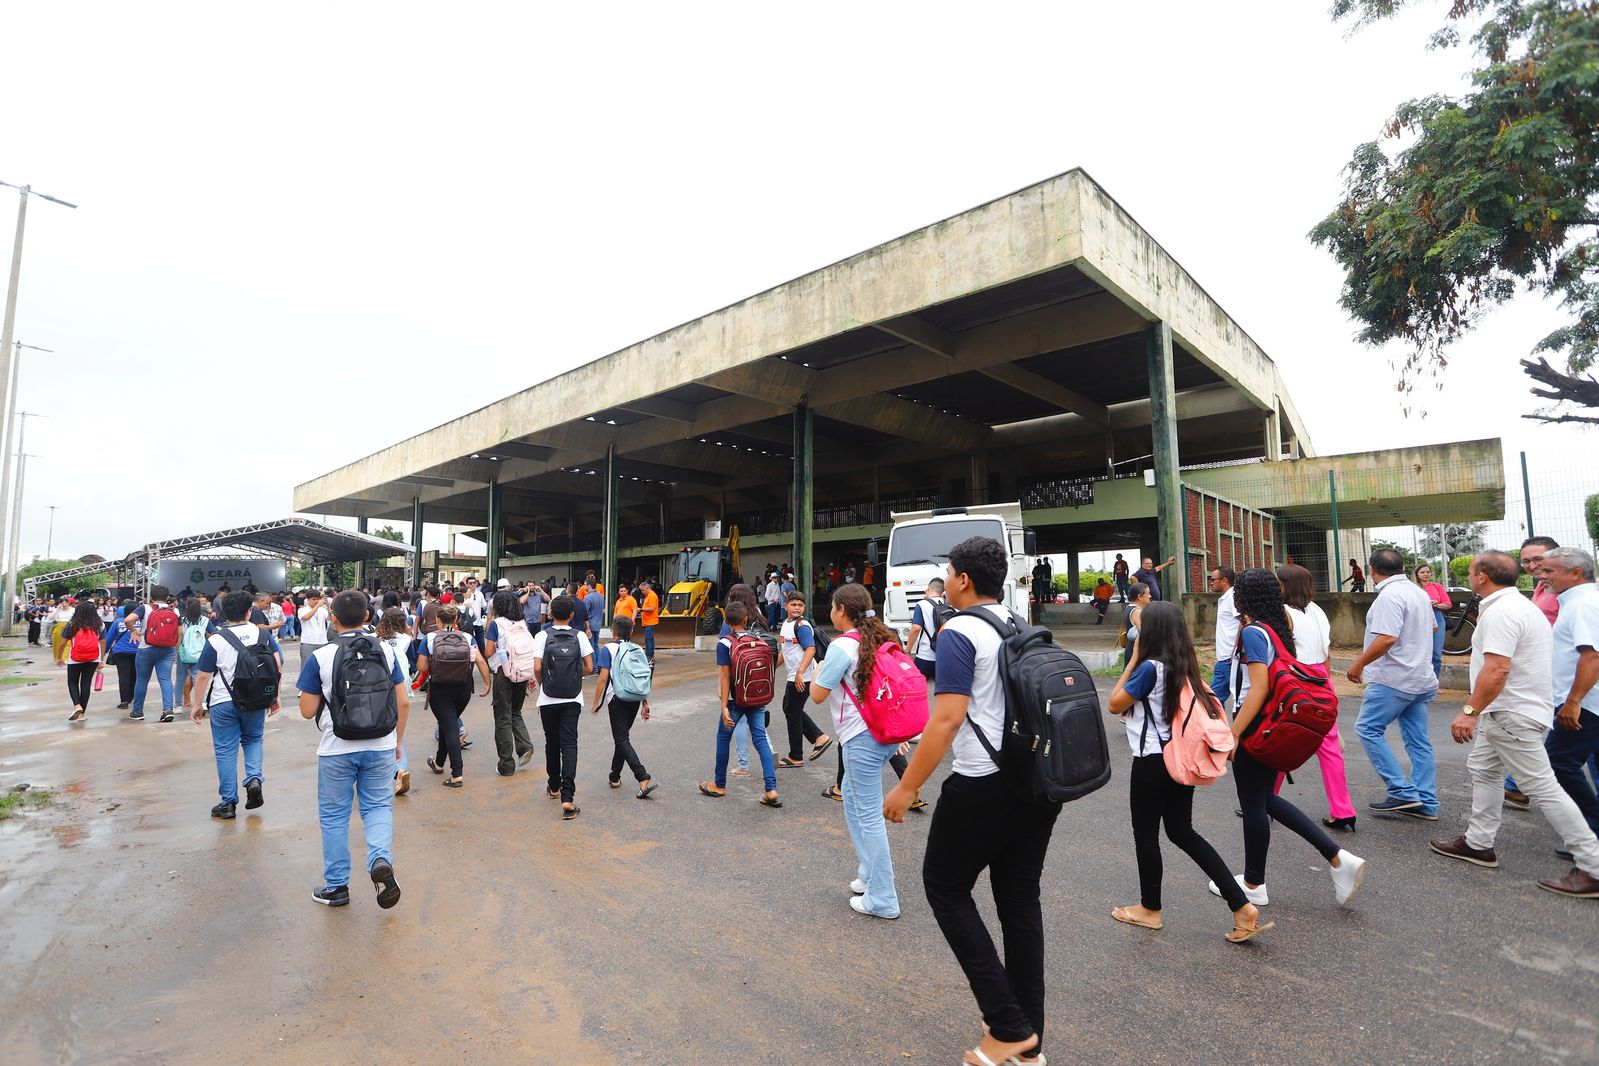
896,760
1155,798
1255,782
126,674
447,702
623,714
80,682
802,728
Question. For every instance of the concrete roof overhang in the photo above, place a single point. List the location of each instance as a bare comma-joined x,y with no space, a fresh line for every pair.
1019,323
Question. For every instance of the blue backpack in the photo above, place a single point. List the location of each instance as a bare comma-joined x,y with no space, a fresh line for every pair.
630,672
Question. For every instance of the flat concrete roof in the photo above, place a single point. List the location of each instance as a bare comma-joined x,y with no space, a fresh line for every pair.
1011,335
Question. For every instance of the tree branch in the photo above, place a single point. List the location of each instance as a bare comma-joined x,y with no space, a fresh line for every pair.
1564,418
1582,391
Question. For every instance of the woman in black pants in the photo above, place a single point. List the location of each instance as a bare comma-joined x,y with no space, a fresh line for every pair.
1163,668
122,651
623,712
1259,599
83,663
448,698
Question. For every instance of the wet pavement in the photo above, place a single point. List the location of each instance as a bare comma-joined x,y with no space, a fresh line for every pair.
136,929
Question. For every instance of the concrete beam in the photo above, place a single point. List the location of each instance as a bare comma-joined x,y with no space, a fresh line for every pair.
1203,402
912,421
658,407
776,381
922,334
1031,384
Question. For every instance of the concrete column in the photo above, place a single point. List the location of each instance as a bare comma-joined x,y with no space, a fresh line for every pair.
1168,479
609,535
804,426
1071,577
494,535
360,564
980,477
1274,436
414,576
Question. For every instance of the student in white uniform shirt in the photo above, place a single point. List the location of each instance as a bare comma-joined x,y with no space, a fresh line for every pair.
923,637
232,727
1221,583
314,624
980,823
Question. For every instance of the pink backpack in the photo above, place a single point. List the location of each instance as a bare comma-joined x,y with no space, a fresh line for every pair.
1201,738
894,707
517,643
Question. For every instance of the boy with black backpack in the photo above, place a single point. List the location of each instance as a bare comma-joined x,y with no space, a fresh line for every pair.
355,690
240,667
562,656
985,818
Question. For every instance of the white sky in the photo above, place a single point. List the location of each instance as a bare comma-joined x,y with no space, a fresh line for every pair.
311,230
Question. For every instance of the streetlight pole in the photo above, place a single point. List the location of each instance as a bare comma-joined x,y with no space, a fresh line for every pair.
16,519
50,538
5,478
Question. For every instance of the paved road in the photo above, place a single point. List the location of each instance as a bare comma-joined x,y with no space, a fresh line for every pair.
135,929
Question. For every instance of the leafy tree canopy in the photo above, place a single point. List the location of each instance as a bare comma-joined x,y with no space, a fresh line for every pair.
1459,538
388,532
1477,197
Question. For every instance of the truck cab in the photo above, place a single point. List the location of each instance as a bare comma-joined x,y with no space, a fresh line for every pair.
918,551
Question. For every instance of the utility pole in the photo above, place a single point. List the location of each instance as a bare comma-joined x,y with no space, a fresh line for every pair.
14,538
5,479
50,538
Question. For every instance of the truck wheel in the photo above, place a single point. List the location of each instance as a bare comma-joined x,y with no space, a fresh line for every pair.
711,620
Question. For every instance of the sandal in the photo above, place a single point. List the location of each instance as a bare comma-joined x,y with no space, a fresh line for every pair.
1241,933
616,784
706,790
452,782
568,813
832,793
435,767
644,793
771,801
823,746
1123,914
742,773
787,761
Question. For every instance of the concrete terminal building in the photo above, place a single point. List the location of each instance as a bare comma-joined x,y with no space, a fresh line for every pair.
1041,347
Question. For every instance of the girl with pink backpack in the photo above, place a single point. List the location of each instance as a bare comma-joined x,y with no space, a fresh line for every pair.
1180,738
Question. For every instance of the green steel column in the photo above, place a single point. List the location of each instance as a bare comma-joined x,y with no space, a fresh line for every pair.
1335,555
494,536
414,578
1163,429
360,564
609,564
804,425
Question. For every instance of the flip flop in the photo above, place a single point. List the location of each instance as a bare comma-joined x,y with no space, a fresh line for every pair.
704,791
452,782
644,793
435,767
742,773
568,813
786,761
832,793
771,801
823,746
1122,914
1234,938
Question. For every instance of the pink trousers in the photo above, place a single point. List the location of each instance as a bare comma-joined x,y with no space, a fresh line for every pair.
1331,757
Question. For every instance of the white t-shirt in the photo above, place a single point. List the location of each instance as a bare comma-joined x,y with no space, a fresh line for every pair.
223,659
923,616
314,628
838,670
316,677
1226,626
1134,718
968,665
399,645
1508,624
793,652
1312,633
584,647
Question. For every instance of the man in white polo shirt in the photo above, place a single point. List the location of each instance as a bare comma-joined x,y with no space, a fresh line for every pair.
1509,711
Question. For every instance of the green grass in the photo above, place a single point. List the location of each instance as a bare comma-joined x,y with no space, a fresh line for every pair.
19,681
1108,671
15,801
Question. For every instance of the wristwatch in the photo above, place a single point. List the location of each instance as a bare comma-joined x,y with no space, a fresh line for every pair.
1469,711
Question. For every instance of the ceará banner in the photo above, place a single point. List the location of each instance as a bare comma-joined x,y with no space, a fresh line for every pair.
209,575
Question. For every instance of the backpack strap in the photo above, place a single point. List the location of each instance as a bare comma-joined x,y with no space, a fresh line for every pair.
1006,630
238,649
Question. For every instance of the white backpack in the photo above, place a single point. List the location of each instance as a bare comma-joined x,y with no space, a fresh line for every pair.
517,644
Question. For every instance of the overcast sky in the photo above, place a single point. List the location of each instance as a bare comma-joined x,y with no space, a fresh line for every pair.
308,231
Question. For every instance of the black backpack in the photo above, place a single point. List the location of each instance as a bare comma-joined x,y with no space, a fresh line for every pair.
255,673
822,640
361,704
563,665
942,612
1053,749
449,657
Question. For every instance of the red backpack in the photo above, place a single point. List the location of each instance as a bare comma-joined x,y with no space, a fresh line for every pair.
753,670
1301,708
162,627
894,705
85,646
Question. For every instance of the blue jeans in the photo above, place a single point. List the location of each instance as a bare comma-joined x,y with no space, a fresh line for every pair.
649,642
1570,751
1380,708
367,776
863,816
1221,680
158,660
232,728
1442,624
289,627
186,672
756,717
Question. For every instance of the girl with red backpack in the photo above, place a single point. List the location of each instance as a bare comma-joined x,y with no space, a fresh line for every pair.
1164,701
85,649
845,683
1263,636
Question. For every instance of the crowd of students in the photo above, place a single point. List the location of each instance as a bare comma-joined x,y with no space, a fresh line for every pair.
1533,712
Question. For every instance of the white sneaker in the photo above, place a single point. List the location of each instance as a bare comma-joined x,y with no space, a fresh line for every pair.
1257,896
1346,876
857,887
860,908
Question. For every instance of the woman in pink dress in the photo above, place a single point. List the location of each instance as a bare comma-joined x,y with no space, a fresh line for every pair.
1312,645
1441,606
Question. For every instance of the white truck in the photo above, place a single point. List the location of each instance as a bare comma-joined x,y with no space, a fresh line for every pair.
918,550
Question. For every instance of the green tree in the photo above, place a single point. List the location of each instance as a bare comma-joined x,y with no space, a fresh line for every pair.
1493,192
1461,538
1590,510
40,567
338,576
388,532
1411,558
